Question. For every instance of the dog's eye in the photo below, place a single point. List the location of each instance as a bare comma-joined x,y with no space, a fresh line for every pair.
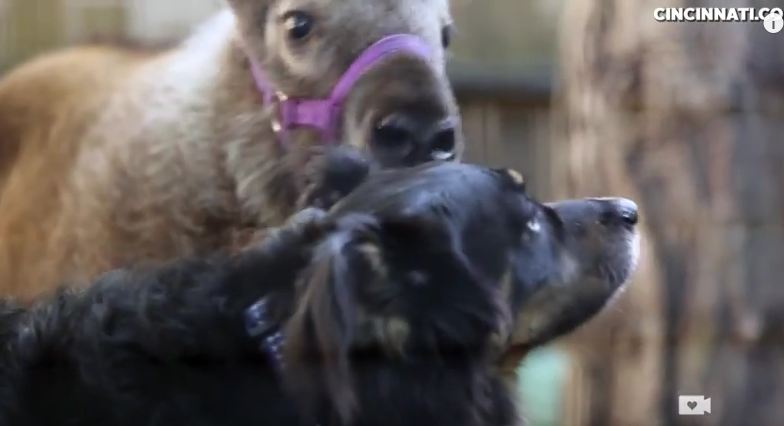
446,36
532,227
298,24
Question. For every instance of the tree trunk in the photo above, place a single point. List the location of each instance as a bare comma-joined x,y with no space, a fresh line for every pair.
687,119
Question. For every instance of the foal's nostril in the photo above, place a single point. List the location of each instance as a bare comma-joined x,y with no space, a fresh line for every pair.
394,135
442,145
389,134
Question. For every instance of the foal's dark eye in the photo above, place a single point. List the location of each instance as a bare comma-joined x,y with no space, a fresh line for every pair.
446,36
298,24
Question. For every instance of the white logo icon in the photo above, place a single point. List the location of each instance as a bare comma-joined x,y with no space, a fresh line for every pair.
693,405
774,22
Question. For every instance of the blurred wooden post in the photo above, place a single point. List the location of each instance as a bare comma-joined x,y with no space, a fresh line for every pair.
686,118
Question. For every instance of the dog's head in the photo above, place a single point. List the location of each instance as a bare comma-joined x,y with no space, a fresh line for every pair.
452,261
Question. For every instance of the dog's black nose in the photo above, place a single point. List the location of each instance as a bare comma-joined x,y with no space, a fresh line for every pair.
629,212
619,211
402,139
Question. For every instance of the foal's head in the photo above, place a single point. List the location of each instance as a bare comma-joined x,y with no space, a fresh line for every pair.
401,111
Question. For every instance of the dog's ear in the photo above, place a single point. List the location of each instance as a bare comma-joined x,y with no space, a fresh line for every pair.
320,334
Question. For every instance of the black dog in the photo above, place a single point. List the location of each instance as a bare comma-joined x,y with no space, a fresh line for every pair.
392,309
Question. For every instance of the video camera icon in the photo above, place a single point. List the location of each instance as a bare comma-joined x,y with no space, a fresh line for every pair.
693,405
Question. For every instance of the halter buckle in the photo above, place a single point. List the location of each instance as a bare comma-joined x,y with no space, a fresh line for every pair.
277,99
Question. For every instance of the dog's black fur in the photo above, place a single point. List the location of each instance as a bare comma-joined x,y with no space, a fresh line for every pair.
395,307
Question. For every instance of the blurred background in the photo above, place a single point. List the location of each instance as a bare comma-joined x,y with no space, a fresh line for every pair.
597,98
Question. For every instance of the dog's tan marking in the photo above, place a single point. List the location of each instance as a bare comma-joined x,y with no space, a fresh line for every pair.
516,177
372,253
396,331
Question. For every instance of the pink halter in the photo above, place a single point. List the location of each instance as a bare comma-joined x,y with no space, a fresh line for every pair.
324,114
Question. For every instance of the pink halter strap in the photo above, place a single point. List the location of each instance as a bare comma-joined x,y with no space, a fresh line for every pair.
324,114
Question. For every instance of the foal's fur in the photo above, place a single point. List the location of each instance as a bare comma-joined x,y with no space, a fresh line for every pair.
395,307
109,157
